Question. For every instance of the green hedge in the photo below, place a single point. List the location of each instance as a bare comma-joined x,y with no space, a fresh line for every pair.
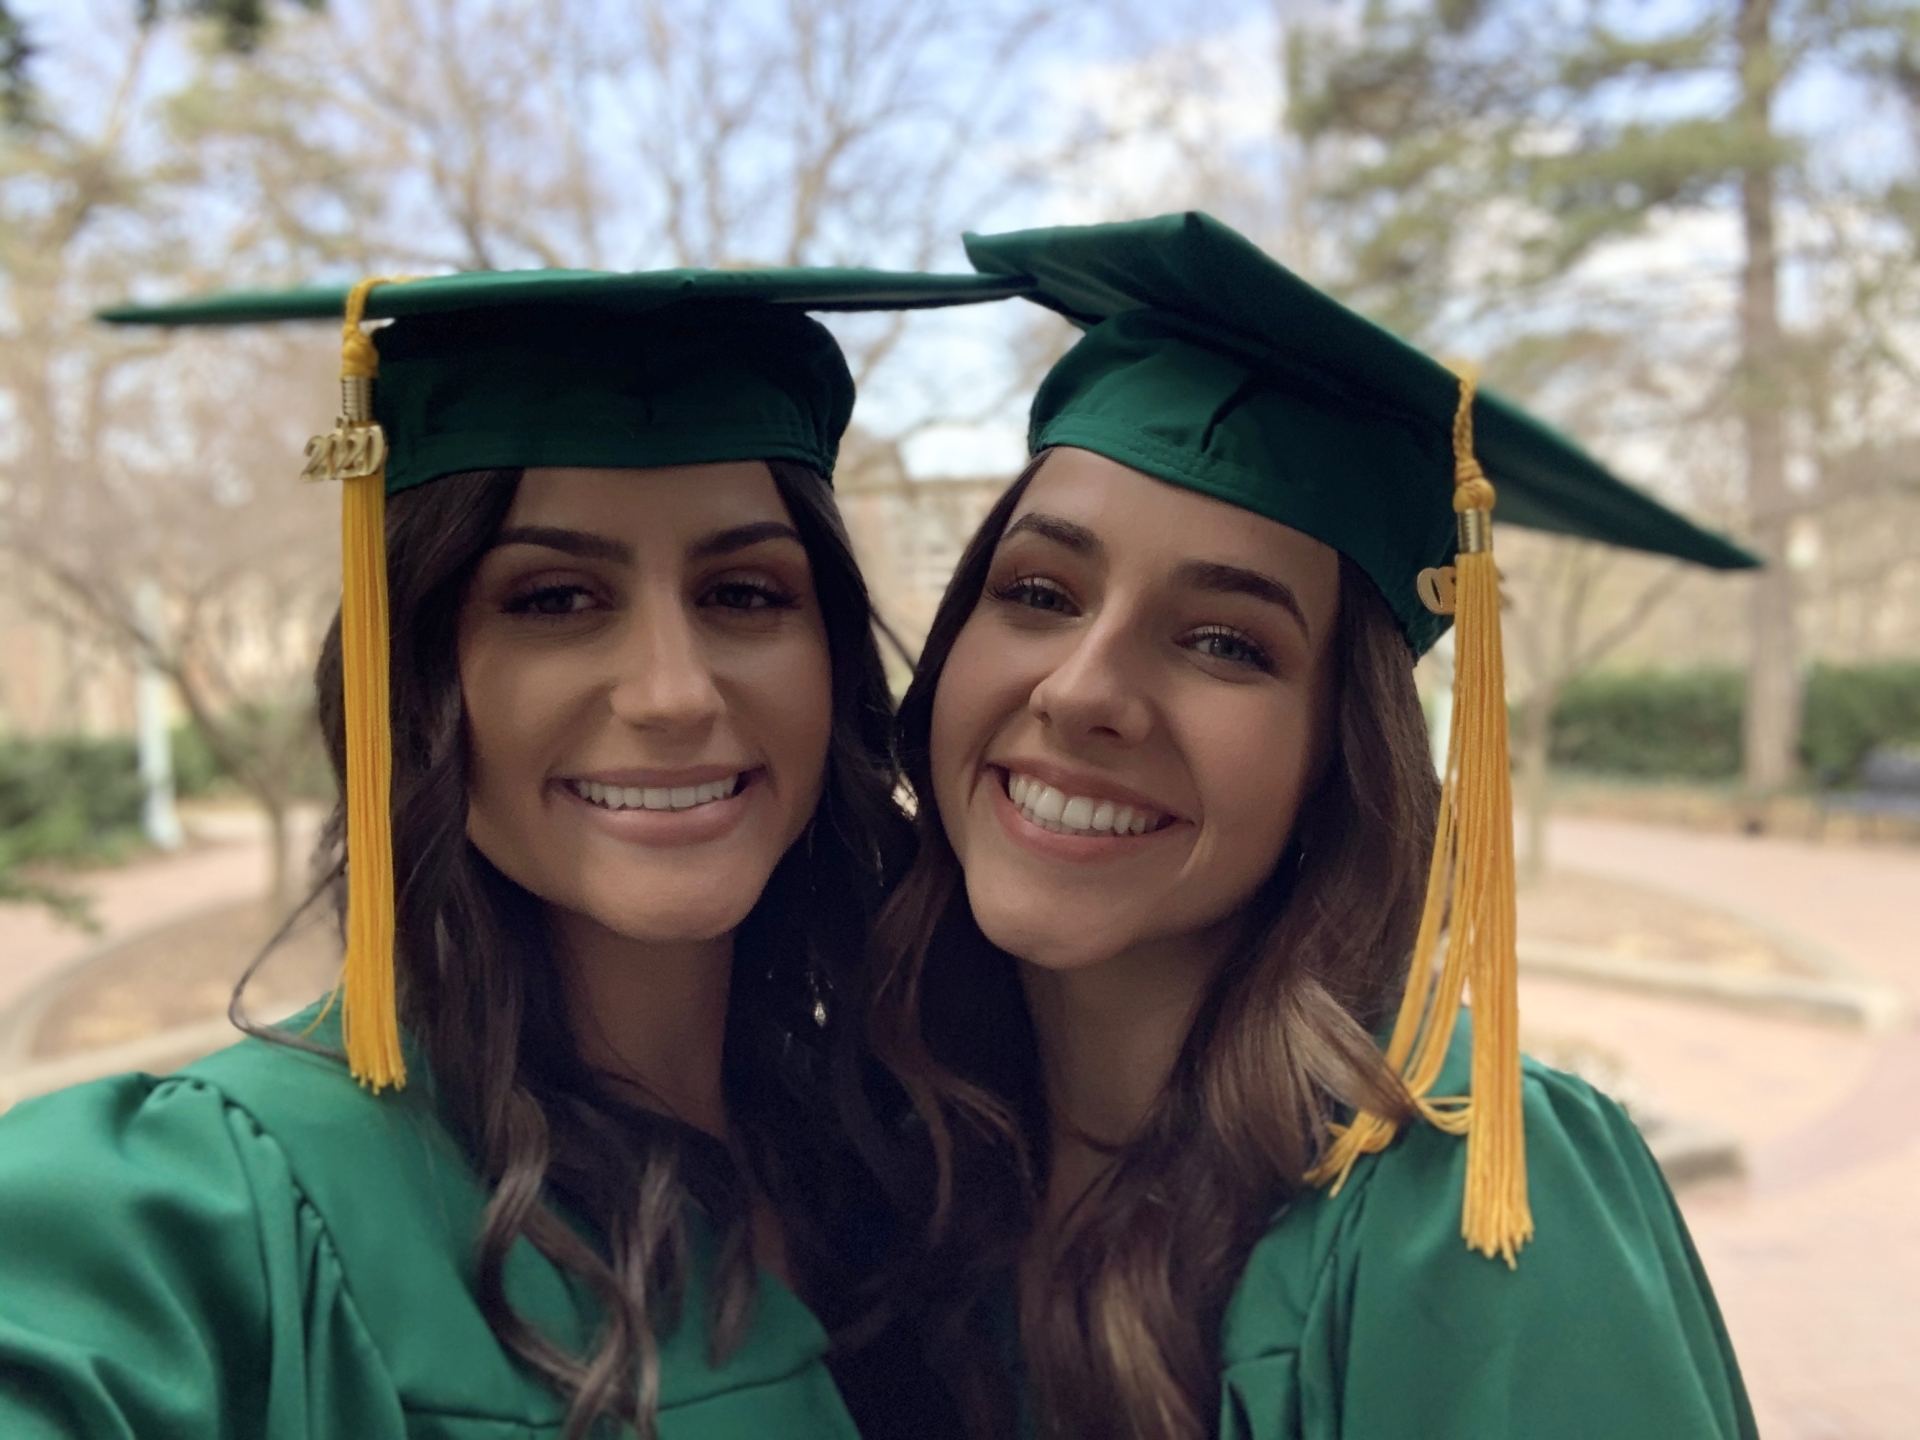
77,797
1852,709
67,798
1687,725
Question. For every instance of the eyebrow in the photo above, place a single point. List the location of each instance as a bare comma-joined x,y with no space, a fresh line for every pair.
740,537
1209,575
1221,579
1077,538
581,543
586,545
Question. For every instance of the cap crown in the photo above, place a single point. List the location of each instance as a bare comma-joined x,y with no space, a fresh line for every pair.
1209,365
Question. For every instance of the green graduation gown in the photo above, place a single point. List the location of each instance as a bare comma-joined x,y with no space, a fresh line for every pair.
258,1247
1363,1316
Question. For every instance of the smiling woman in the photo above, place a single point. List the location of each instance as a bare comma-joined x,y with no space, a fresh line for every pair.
612,735
1184,857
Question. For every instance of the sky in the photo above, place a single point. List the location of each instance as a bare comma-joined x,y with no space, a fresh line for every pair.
1186,102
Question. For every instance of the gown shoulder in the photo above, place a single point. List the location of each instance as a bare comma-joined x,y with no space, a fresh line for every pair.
256,1246
1363,1315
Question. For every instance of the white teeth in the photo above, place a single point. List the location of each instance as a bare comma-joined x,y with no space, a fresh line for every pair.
652,797
1065,814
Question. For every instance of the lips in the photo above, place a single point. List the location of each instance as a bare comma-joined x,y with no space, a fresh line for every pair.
1063,813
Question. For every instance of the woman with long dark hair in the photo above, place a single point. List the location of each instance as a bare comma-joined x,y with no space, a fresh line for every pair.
1165,978
617,813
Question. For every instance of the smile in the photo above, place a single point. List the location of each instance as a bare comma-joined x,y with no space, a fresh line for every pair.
637,797
1066,814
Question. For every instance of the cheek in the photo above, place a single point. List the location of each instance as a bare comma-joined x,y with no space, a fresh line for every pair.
787,690
504,714
964,709
1255,765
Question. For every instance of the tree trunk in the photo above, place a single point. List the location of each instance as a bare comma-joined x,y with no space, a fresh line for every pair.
1772,721
279,854
1536,745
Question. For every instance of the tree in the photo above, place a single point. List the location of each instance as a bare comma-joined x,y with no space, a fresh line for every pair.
131,461
1557,613
382,136
1498,155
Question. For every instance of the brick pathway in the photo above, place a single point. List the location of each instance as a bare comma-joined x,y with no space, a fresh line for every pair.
1816,1256
126,901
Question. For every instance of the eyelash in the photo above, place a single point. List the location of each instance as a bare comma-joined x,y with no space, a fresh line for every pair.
1251,653
769,596
1023,589
529,603
759,594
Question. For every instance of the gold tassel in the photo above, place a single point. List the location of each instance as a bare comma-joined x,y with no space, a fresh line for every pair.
355,454
1471,884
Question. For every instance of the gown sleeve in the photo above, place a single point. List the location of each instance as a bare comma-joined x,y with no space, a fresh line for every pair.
161,1276
1364,1316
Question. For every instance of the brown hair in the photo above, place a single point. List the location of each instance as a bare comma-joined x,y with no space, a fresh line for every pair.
479,991
1120,1323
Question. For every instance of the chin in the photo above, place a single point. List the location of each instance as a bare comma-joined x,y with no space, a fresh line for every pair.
1043,940
655,924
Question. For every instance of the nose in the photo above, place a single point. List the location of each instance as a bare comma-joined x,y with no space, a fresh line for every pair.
1095,693
662,680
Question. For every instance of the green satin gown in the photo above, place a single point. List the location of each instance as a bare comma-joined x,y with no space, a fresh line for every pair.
256,1247
1363,1316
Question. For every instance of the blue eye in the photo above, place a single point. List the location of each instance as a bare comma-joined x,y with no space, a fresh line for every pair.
1035,592
551,600
1217,642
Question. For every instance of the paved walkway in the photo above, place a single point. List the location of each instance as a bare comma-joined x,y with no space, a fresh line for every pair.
33,945
1816,1257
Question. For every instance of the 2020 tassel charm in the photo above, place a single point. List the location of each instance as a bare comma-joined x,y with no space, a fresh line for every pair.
354,453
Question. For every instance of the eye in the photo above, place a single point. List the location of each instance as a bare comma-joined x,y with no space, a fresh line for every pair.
552,600
1035,592
748,595
1218,642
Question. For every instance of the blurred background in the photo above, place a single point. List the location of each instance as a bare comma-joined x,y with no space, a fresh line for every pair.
1684,230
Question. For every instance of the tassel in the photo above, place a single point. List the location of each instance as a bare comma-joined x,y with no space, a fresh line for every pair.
1470,884
355,454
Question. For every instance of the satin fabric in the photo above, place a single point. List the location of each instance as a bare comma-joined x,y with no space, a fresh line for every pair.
1363,1316
258,1247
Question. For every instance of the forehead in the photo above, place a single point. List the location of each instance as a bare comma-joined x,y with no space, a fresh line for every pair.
670,497
1147,522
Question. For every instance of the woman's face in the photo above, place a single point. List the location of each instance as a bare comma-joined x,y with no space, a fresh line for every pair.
648,694
1129,720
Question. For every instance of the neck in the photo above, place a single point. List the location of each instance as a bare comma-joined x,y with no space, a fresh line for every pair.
1109,1033
651,1018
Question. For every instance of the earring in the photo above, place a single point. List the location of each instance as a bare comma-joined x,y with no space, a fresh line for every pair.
819,999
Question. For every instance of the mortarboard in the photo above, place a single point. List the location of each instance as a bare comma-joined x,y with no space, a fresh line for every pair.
1207,364
539,367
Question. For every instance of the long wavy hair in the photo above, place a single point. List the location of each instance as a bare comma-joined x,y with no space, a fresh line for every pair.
1120,1311
480,991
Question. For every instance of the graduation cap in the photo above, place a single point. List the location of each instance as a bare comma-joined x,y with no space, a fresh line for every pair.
1210,366
539,367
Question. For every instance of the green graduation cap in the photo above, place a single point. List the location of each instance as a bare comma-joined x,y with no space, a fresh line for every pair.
1210,366
540,367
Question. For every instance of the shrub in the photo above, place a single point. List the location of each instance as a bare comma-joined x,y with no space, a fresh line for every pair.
1686,726
1852,709
1678,726
67,798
